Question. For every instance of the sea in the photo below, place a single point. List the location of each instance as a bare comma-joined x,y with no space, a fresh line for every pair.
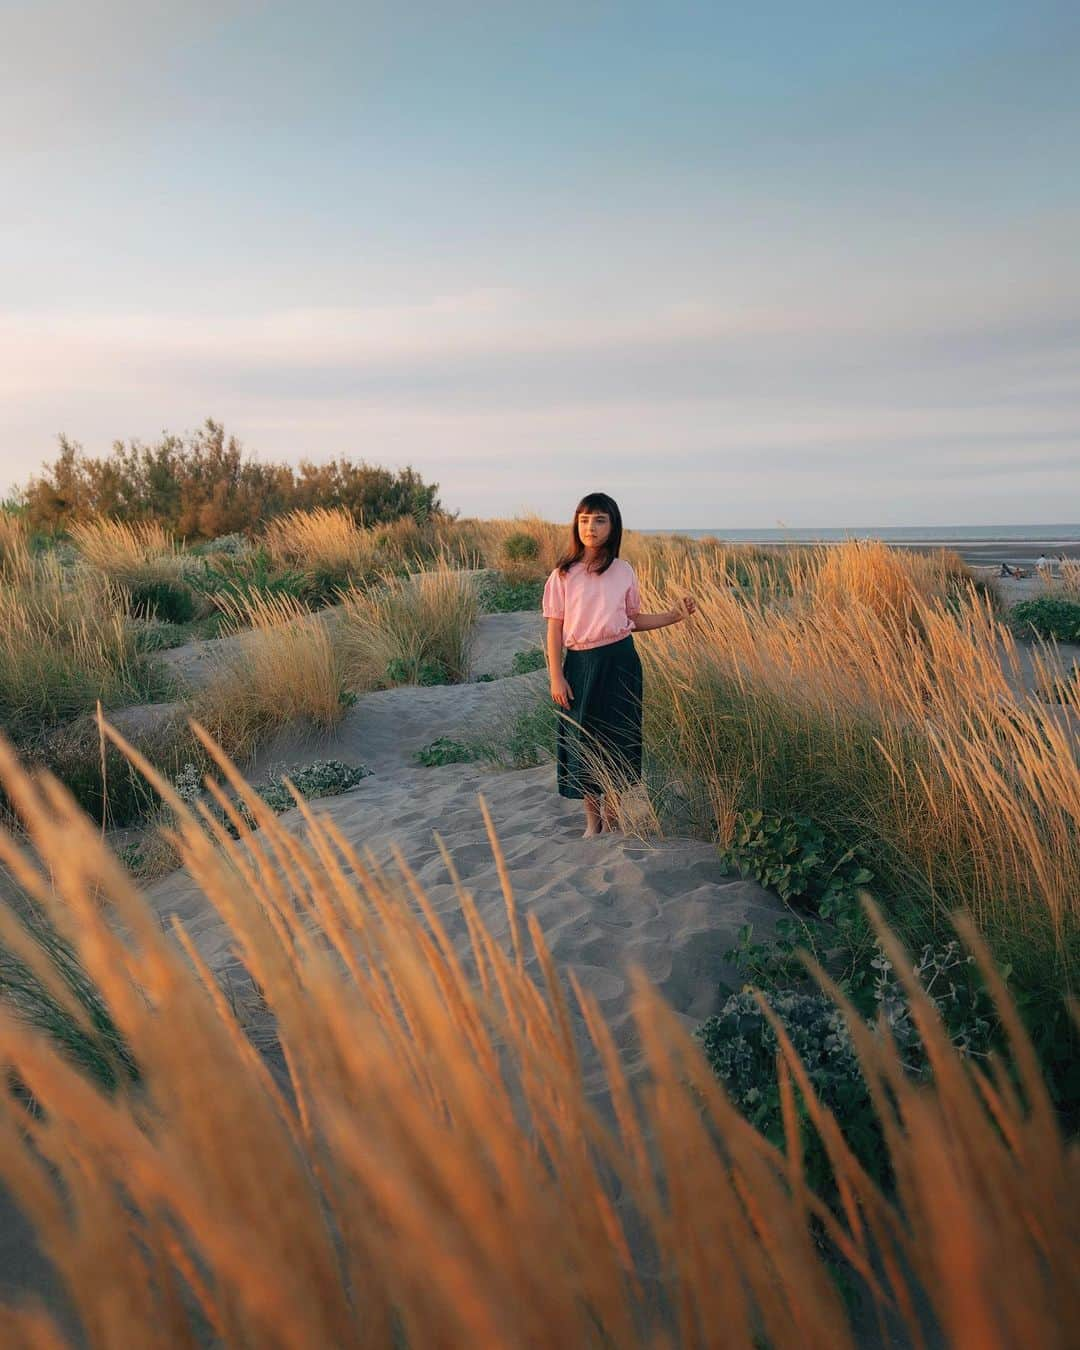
980,545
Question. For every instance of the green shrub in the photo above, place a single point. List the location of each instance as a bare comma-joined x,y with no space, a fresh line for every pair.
532,658
204,485
247,575
122,796
445,750
1049,616
790,856
741,1048
410,670
521,547
166,601
321,778
320,586
232,544
161,637
499,594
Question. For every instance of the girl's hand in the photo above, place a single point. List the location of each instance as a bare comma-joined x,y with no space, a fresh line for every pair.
685,606
561,691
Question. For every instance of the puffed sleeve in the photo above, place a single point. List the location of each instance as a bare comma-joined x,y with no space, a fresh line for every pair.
554,604
633,598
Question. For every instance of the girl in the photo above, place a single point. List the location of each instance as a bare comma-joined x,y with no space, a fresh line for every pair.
592,605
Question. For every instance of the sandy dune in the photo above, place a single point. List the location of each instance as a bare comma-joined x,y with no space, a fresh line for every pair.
603,903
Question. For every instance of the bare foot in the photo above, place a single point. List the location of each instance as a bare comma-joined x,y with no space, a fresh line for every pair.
590,830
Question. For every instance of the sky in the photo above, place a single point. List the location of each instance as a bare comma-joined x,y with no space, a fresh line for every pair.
737,265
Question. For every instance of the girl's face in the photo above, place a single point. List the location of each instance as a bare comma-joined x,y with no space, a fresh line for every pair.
594,528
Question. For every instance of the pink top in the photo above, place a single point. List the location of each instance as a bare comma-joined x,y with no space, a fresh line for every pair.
596,607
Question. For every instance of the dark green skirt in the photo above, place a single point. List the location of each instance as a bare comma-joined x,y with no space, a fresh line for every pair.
604,717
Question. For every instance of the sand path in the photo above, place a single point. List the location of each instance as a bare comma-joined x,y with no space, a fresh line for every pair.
604,904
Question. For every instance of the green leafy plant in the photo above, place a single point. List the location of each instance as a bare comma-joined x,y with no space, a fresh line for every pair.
321,778
151,636
403,670
445,750
166,601
820,883
532,658
790,856
499,594
121,796
521,547
233,544
741,1046
1048,616
243,575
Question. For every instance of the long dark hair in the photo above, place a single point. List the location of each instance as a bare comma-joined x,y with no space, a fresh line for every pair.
609,550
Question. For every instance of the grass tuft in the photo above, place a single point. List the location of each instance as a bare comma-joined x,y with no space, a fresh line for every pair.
408,630
286,669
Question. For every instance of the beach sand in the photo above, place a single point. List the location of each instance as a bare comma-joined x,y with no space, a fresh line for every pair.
604,903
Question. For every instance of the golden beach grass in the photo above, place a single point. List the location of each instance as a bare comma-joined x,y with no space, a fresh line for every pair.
393,630
127,553
885,700
320,540
285,669
1069,570
433,1174
15,559
64,643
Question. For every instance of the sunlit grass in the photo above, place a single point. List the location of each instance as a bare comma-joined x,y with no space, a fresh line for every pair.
15,557
433,1171
886,703
65,643
132,554
1069,570
398,629
284,668
320,540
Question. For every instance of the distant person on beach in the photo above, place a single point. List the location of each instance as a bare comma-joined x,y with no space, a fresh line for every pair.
592,605
1043,565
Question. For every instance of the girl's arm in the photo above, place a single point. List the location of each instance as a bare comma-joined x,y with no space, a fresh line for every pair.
554,646
560,688
644,622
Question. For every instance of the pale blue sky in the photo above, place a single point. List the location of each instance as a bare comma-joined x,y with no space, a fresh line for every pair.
735,265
